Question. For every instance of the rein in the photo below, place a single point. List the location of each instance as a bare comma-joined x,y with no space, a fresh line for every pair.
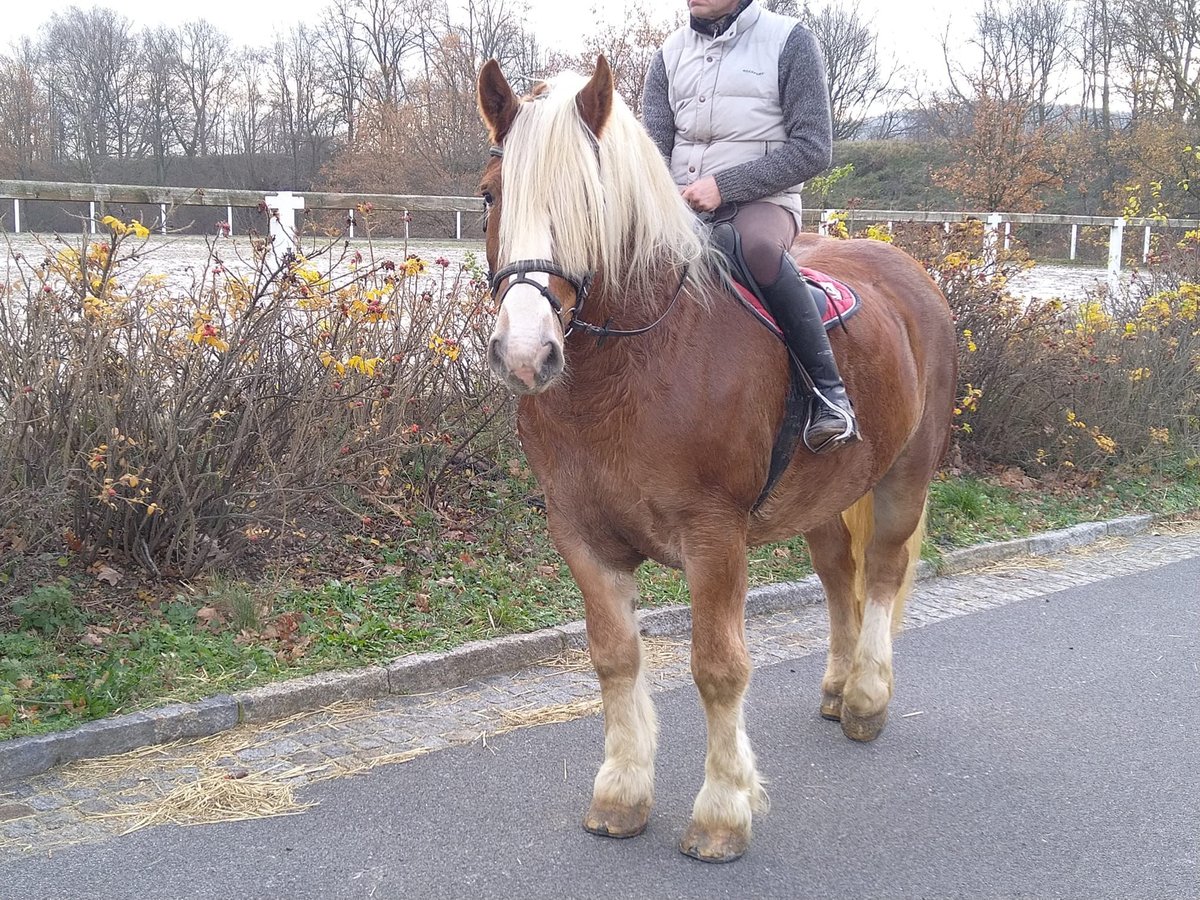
518,273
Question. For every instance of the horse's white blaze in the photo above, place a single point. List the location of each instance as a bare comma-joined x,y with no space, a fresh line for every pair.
626,778
869,687
526,329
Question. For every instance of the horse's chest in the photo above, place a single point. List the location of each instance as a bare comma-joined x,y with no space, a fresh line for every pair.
607,492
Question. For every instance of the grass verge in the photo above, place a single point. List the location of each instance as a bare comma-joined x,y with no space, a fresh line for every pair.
81,645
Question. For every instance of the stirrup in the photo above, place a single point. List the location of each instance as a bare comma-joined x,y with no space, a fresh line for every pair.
849,433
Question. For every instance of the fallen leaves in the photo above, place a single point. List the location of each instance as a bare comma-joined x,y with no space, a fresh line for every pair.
1013,477
209,617
109,575
282,635
94,636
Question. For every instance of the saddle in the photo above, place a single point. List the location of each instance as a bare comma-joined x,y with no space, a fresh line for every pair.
836,300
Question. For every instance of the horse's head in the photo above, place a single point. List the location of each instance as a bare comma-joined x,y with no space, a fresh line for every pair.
540,274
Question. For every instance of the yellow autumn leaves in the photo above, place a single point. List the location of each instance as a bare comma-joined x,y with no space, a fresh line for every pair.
121,229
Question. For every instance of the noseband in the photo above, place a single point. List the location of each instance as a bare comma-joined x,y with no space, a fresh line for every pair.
518,273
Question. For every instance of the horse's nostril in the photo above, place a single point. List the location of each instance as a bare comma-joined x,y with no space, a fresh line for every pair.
552,361
495,353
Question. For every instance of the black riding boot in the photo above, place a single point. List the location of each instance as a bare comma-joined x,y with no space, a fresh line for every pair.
831,421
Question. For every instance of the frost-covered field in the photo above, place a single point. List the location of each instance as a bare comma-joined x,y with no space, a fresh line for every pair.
184,259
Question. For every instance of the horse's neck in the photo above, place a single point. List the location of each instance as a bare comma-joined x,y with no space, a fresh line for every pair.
638,356
619,378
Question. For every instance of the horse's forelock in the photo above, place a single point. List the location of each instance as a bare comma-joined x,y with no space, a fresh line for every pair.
609,203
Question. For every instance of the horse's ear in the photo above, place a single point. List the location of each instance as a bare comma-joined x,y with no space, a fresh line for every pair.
596,99
497,102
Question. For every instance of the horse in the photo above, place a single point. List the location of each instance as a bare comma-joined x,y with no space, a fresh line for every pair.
649,403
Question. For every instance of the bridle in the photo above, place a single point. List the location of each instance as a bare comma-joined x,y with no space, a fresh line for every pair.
518,273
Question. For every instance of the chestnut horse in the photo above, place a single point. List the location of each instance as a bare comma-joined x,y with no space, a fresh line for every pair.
656,444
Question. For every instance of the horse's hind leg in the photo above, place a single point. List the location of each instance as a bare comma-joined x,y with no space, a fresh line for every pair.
715,564
623,791
841,572
891,557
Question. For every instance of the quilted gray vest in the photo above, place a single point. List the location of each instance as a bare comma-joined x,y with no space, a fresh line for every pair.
724,92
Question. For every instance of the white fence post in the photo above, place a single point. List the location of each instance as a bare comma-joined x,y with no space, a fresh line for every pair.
92,217
991,235
228,220
162,218
1074,241
350,220
826,221
282,223
1007,236
1116,236
16,215
1146,245
458,225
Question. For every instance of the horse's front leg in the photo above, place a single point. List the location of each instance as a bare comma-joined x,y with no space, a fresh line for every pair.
715,565
624,788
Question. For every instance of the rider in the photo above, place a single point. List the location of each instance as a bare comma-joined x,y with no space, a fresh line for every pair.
738,103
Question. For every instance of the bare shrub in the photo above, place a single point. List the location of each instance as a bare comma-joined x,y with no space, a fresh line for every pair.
1085,385
178,428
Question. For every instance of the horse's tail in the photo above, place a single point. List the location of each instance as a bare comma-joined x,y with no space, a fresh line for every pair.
860,522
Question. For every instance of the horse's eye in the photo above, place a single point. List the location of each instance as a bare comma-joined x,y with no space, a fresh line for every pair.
487,198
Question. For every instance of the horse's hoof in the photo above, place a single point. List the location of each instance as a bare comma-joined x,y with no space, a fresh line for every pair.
863,728
720,845
831,706
609,820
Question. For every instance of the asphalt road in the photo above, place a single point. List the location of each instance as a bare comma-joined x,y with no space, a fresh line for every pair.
1043,749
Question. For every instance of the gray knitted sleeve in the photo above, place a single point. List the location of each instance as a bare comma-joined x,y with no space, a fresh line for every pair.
657,115
804,96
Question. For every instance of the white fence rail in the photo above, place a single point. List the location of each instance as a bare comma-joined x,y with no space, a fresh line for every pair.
283,206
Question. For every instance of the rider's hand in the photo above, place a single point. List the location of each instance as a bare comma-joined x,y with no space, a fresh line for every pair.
703,195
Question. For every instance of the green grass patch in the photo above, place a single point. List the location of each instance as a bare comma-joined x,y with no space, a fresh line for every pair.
426,584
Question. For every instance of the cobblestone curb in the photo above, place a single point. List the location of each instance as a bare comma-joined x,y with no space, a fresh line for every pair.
419,673
1040,544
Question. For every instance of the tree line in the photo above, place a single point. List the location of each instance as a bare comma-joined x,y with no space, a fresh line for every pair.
1088,105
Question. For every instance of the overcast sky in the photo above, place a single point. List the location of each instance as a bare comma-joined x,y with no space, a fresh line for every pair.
912,38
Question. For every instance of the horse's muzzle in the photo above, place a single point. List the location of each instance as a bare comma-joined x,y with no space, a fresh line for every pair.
527,370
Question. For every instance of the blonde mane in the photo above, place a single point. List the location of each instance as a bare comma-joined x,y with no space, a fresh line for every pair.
610,206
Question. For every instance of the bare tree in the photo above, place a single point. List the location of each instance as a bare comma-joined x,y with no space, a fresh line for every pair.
300,106
1166,33
1099,29
442,116
248,111
93,85
387,33
25,130
202,77
630,47
343,61
858,79
159,101
1021,47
